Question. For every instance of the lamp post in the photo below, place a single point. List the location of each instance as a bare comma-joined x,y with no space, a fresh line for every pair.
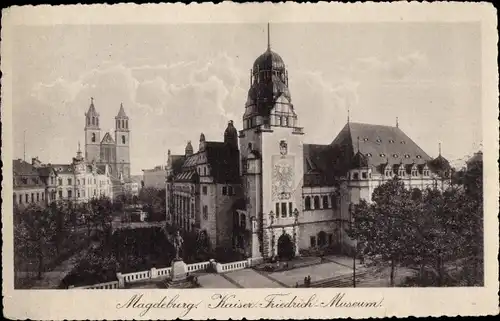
355,249
296,222
271,214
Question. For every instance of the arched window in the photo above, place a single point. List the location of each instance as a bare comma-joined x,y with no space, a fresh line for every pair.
97,121
93,120
88,121
126,124
123,139
325,202
307,203
316,202
93,138
236,220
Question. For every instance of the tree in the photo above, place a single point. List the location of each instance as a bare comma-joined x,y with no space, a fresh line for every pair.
383,226
98,216
153,202
34,232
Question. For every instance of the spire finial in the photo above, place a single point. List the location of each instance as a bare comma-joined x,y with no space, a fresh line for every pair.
79,150
397,122
91,100
268,37
348,114
439,149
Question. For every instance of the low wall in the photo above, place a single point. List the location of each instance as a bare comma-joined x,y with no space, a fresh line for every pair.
233,266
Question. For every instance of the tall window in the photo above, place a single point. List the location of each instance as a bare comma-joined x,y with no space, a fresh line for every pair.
123,139
70,193
38,197
277,209
290,211
32,197
313,241
224,190
69,181
26,198
325,202
316,202
204,190
307,203
14,198
283,209
126,123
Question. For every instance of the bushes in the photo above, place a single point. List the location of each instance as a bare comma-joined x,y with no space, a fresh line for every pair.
128,251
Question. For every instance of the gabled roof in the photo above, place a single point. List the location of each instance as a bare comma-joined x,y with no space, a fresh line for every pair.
45,171
101,169
107,139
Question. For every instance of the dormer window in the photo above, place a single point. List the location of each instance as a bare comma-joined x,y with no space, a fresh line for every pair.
395,155
365,139
382,155
418,156
391,141
407,155
403,142
369,154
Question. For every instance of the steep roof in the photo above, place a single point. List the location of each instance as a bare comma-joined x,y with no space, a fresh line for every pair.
121,112
187,176
381,144
22,168
45,171
224,162
318,161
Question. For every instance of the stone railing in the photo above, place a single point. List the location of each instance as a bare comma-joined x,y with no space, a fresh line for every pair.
233,266
167,272
105,286
198,266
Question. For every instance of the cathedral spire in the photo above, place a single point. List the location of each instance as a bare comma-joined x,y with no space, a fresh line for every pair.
439,149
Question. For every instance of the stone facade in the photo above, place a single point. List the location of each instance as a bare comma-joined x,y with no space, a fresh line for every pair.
290,196
111,151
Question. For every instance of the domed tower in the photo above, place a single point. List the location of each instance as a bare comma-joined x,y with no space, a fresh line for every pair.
271,155
92,133
188,151
269,102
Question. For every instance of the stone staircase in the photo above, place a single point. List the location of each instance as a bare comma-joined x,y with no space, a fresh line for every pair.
343,281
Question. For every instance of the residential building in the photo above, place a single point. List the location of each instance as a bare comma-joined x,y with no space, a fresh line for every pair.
28,186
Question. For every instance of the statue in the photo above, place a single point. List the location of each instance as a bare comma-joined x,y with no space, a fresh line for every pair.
178,241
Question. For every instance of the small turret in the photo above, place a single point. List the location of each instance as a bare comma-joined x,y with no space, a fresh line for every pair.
189,149
231,136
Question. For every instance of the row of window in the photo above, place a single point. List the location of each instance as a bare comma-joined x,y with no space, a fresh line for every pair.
317,202
275,120
93,120
122,123
78,182
284,209
322,239
25,180
25,198
402,173
378,140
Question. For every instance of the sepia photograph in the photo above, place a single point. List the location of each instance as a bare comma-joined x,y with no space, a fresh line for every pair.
252,155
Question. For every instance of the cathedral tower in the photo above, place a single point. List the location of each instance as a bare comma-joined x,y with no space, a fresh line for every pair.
122,140
92,134
271,150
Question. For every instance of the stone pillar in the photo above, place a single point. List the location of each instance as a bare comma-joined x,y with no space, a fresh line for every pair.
218,267
121,280
154,273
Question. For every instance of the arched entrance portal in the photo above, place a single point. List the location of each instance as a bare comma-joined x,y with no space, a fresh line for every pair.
285,247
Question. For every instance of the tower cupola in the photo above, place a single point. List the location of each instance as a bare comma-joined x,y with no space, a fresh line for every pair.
189,149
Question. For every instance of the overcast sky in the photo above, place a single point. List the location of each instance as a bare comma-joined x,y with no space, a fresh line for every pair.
176,81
